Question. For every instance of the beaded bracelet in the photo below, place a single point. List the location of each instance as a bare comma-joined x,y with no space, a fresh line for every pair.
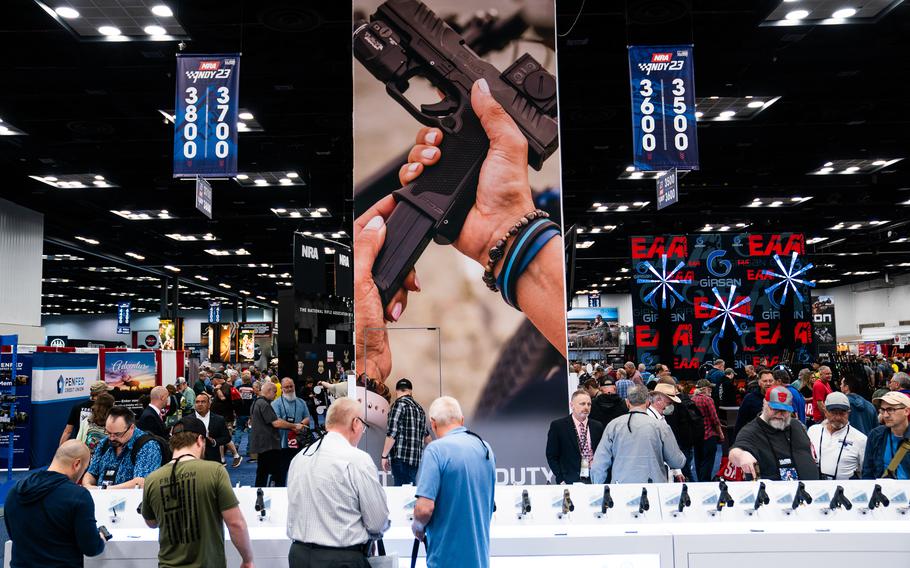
498,250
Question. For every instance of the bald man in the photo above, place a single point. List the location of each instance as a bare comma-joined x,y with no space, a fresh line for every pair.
51,500
152,418
334,471
264,438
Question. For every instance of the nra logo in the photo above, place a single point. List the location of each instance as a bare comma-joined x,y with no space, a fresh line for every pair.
344,260
309,252
661,57
209,65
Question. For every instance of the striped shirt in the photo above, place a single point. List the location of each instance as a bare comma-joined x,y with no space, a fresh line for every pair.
408,425
706,406
334,496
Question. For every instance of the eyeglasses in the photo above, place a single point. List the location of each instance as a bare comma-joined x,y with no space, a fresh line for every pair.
117,434
890,409
362,421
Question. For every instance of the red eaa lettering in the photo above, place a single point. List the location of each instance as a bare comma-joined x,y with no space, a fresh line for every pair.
764,335
752,274
673,247
683,335
680,363
645,336
767,245
802,333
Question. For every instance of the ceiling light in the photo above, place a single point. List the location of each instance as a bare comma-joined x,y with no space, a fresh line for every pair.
636,175
263,179
72,181
200,277
244,292
162,11
699,114
260,297
843,13
755,104
829,164
109,31
134,255
67,12
727,114
851,169
142,215
285,181
260,182
584,244
826,170
816,240
197,237
879,163
245,116
293,175
797,15
87,240
172,268
242,176
225,286
297,213
154,30
630,169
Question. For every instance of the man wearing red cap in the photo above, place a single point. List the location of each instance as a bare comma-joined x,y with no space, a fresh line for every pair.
773,446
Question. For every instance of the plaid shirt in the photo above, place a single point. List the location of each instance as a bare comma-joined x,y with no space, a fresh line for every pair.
408,425
709,413
622,388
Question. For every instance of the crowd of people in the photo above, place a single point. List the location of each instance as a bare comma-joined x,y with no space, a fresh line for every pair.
630,423
627,424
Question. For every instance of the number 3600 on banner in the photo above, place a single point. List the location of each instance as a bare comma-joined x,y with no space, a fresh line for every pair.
663,107
205,122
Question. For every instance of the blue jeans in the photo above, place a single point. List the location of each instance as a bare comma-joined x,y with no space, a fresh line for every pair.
240,430
403,473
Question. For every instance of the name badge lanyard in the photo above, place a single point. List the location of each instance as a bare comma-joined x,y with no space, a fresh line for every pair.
839,454
776,457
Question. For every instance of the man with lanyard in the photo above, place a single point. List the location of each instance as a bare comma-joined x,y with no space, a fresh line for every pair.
406,436
886,454
571,442
341,479
839,448
292,409
112,465
455,490
773,445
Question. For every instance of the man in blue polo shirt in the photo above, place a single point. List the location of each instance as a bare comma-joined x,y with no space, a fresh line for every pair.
455,492
112,465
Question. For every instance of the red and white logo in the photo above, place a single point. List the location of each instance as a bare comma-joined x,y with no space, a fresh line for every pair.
211,65
661,57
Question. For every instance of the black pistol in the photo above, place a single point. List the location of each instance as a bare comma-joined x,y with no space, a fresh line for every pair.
403,40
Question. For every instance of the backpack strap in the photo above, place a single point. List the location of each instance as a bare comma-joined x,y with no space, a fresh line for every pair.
891,470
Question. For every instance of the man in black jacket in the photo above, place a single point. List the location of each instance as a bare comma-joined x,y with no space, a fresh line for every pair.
50,519
572,440
151,420
218,435
607,405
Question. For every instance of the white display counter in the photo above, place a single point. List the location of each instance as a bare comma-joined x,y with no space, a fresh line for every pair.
624,534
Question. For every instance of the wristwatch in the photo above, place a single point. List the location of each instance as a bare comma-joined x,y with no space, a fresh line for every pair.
385,457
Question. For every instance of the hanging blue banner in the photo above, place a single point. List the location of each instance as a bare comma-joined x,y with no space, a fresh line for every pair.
663,107
214,312
123,317
205,116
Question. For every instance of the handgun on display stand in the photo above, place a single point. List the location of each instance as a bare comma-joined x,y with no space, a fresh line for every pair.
404,40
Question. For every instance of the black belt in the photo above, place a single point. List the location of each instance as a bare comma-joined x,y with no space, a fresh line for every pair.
362,548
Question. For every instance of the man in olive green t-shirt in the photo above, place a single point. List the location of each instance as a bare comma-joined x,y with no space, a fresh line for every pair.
187,500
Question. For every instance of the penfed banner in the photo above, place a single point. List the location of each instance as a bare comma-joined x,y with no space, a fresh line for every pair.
663,107
205,115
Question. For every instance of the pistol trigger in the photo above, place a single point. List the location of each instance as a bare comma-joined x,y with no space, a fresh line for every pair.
444,107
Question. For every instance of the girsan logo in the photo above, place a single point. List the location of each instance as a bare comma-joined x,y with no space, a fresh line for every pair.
129,366
344,260
307,251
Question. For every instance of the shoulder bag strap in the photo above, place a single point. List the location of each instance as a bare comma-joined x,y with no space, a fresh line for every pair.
899,454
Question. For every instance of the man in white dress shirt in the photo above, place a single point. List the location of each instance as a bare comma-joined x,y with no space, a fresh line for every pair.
335,502
838,447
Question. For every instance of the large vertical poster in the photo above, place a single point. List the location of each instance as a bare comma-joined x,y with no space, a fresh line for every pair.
422,308
823,327
22,431
743,298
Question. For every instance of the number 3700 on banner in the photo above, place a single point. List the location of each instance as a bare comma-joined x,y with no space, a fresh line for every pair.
663,107
205,121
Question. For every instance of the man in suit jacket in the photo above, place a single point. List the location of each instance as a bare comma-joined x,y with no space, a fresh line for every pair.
218,434
572,440
151,420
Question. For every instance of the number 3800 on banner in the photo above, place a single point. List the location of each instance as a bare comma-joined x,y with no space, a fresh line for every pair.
191,127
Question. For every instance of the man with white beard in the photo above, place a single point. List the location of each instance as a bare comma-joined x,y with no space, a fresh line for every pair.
772,446
294,410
